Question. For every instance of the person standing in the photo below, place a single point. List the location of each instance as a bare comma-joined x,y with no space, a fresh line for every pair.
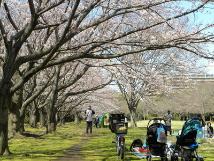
89,119
168,120
209,130
96,121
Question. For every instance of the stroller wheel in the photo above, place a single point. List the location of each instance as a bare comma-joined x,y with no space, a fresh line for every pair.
149,158
174,158
187,155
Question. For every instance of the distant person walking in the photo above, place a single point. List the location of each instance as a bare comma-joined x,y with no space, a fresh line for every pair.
168,119
89,119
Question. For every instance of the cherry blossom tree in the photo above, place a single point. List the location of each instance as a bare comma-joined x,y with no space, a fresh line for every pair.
53,32
141,76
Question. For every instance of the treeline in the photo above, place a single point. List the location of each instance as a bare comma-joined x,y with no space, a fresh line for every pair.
176,116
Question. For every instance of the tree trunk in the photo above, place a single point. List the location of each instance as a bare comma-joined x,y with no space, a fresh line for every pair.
14,120
51,118
62,121
14,112
144,114
5,103
51,112
61,118
51,124
76,118
8,71
33,120
22,122
42,118
132,116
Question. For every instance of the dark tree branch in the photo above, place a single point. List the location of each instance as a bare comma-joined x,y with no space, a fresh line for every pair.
66,30
32,8
50,7
77,77
9,17
86,12
35,95
4,35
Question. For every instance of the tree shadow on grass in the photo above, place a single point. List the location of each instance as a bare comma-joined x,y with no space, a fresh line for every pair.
29,134
35,154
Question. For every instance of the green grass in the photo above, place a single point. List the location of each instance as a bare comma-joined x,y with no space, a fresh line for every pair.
97,147
100,148
46,147
175,124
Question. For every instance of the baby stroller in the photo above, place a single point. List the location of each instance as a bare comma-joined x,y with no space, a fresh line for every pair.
186,144
156,139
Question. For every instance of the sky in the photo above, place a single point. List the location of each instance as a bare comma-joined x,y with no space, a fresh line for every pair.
209,18
203,18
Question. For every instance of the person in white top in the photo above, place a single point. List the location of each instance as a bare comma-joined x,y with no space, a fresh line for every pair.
89,118
168,120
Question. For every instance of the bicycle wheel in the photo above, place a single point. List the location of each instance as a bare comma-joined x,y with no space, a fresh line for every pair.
118,149
122,151
117,146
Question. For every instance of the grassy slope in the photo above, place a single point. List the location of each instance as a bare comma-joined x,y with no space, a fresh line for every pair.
98,147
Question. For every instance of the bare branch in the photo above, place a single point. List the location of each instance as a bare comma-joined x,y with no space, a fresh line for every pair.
89,90
35,95
50,7
4,35
32,8
9,17
77,2
77,77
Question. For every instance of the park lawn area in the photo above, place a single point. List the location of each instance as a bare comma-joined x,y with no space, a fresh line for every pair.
96,147
45,147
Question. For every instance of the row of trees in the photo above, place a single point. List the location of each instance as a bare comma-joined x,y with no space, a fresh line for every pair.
55,53
183,102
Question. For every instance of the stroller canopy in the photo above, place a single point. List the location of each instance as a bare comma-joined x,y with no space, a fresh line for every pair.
192,124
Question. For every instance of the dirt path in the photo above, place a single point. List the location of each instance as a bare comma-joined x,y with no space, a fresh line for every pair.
75,152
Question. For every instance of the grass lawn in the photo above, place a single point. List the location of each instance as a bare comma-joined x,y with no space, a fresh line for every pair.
46,147
97,147
101,148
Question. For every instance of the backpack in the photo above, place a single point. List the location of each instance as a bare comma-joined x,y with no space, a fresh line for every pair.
161,138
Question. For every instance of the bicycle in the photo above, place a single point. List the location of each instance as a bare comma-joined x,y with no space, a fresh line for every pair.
120,145
119,126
